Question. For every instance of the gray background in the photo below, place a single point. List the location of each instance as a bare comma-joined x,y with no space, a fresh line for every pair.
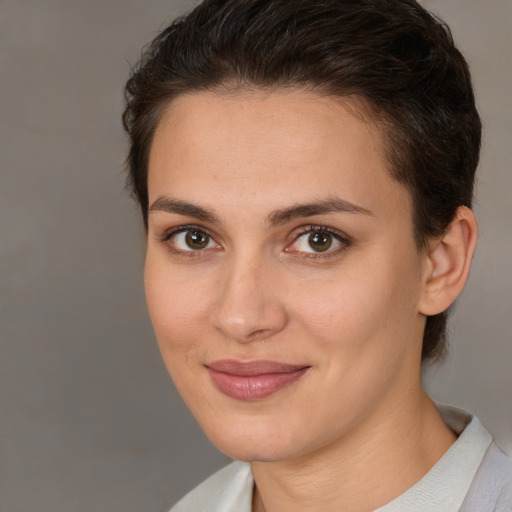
89,419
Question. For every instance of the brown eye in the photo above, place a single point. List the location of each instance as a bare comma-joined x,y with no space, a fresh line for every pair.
320,241
196,239
189,240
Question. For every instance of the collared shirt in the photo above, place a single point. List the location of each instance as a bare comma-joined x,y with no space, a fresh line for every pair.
472,476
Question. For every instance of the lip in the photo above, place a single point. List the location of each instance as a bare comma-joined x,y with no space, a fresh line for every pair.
253,380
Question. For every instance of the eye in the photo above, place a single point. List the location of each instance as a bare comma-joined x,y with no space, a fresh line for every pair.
317,240
190,239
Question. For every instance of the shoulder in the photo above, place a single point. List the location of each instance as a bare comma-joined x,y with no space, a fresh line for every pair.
227,490
492,483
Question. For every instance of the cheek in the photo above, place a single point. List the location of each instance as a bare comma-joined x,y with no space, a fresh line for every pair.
178,308
368,306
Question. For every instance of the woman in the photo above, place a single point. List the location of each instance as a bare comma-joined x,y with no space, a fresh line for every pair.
305,173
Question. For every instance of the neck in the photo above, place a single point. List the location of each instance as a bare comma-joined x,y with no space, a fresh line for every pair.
364,470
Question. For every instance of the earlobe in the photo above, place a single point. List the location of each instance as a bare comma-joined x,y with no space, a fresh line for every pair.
448,263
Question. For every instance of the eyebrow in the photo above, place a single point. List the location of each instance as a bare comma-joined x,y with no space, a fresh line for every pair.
333,205
168,205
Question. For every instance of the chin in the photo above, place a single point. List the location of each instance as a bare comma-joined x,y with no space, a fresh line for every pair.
256,452
255,440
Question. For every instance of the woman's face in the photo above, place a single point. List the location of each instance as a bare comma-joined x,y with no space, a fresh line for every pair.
282,276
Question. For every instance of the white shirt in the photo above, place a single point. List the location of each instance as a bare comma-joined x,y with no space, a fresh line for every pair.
472,476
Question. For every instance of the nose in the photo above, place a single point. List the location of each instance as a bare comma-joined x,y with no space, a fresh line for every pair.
249,307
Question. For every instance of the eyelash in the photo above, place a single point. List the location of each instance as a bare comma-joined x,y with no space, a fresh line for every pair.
343,239
167,235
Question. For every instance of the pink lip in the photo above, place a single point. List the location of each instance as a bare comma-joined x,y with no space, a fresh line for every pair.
253,380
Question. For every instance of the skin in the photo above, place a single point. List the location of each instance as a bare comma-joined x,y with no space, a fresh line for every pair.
357,429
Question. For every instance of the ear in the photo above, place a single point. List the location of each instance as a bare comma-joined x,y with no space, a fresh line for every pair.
448,261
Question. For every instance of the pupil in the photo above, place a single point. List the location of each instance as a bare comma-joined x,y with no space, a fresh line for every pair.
196,239
320,241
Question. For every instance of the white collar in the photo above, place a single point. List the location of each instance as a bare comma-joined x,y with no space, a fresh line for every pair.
445,486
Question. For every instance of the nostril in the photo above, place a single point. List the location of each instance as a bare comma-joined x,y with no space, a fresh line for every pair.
248,328
259,334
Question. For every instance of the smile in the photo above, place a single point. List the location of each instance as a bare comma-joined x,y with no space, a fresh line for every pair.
253,380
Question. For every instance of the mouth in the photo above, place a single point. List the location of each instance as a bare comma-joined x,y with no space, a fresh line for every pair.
253,380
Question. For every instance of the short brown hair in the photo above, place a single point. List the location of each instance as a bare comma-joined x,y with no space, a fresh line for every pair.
392,53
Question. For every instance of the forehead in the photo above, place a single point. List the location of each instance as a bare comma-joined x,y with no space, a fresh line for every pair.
296,116
247,145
